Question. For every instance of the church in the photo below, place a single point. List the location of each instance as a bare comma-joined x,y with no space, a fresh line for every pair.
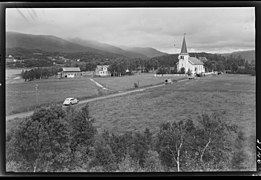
189,63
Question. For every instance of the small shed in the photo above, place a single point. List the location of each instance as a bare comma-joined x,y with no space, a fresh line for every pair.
71,72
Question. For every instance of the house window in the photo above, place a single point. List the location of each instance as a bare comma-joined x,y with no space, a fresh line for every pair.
181,57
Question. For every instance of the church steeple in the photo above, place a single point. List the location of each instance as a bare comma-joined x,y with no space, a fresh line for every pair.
184,46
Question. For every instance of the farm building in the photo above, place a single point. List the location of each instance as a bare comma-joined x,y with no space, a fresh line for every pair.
71,72
102,70
193,64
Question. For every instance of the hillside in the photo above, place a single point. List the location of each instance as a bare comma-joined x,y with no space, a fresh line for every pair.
49,44
147,51
247,55
106,47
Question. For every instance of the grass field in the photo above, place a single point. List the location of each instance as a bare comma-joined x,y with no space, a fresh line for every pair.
22,96
127,82
233,94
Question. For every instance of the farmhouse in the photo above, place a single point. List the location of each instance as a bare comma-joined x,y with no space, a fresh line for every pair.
102,70
192,64
71,72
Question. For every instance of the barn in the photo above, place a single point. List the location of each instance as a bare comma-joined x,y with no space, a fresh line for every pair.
71,72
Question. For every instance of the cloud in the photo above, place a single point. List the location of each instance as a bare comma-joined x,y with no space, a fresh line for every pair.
206,28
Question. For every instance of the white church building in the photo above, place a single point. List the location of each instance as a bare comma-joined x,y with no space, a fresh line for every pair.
193,64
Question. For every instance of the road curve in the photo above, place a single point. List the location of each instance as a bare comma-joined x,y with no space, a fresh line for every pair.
29,113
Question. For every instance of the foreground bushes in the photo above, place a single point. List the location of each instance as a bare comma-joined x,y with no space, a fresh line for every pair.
54,140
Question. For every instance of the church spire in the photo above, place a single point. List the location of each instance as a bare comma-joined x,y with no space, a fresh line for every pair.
184,47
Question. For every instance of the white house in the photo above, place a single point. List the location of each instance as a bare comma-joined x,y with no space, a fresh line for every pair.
102,70
193,64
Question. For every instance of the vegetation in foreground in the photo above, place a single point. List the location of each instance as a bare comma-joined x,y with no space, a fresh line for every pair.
54,140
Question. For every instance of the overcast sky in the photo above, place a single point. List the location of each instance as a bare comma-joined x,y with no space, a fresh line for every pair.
207,29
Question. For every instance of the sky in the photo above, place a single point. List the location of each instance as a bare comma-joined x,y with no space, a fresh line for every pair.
213,30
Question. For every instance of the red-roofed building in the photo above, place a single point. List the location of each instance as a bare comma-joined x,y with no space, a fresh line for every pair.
193,64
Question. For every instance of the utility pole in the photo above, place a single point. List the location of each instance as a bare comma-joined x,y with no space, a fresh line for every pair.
36,94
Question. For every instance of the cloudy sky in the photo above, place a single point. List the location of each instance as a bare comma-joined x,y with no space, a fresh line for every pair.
207,29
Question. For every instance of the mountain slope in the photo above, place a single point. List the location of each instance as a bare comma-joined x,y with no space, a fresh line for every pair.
49,44
106,47
247,55
147,51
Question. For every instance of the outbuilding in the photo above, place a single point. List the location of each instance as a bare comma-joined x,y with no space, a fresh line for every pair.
71,72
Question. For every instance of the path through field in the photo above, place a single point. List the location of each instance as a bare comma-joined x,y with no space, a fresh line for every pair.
26,114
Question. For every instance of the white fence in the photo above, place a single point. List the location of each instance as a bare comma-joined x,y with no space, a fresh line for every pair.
169,75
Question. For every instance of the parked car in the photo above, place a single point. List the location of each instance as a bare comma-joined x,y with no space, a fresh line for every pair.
192,76
168,81
70,101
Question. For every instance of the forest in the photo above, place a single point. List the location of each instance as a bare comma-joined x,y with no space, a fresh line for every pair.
57,140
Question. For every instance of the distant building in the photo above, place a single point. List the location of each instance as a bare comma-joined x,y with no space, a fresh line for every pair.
241,67
71,72
102,70
9,58
193,64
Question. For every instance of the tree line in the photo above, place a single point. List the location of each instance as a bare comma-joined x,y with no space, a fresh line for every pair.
39,73
57,140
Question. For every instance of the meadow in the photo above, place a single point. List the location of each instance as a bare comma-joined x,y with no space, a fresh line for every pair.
233,95
127,82
22,96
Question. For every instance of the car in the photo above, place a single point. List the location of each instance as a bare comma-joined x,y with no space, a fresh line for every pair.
168,81
70,101
192,76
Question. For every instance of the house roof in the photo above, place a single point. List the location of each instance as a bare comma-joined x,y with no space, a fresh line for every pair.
195,61
100,67
184,47
71,69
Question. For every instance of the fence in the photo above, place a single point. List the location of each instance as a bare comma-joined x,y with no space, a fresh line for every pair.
169,75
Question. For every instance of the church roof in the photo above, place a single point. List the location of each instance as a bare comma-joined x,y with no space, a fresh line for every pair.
195,61
184,47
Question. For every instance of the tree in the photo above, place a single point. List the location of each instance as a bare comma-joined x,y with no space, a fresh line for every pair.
42,141
152,162
172,141
103,155
139,148
239,156
213,140
182,70
82,134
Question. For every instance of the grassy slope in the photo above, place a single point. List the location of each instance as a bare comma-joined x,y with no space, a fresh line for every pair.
20,96
127,82
234,94
56,90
